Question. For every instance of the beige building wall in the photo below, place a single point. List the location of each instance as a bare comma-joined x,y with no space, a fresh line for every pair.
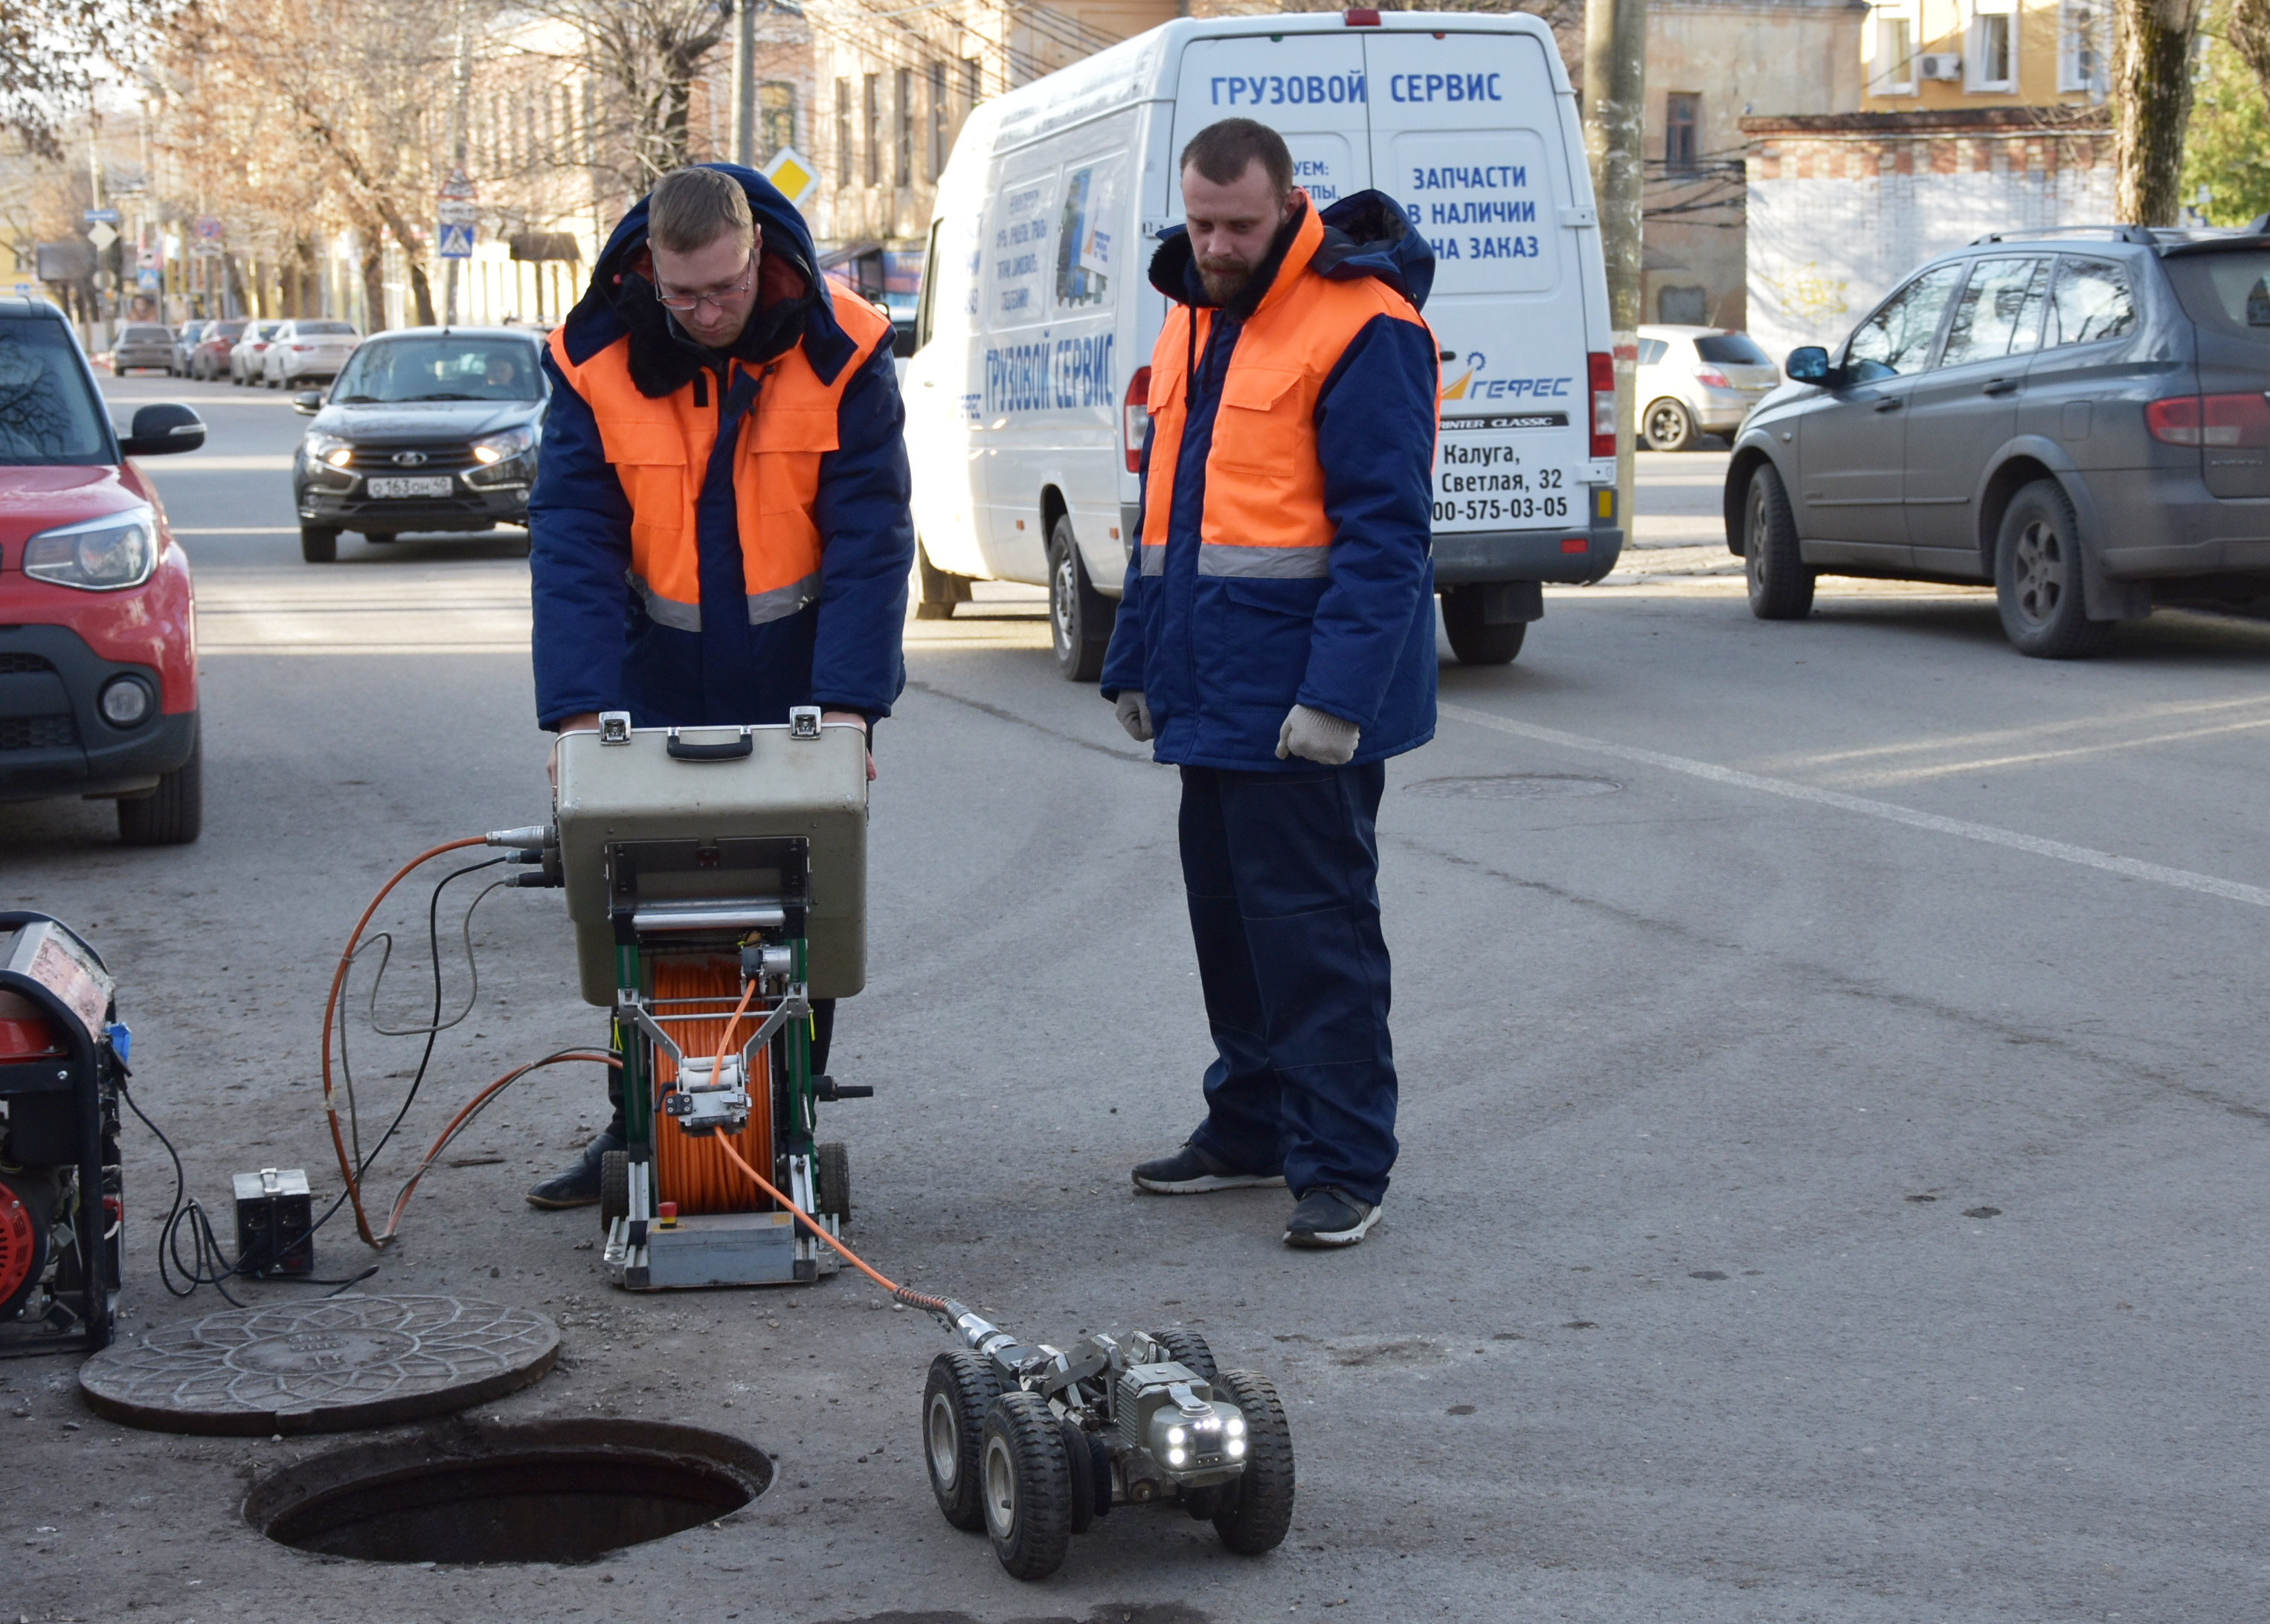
1940,56
1709,64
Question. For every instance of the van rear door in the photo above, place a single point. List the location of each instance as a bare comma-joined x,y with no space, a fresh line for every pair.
1467,135
1308,87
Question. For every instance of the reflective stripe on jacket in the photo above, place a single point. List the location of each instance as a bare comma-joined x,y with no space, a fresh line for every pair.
660,449
1285,556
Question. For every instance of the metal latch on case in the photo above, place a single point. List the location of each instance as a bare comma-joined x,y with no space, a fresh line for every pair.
803,722
614,727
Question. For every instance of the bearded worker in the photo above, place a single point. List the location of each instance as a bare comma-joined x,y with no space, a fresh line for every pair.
719,528
1276,641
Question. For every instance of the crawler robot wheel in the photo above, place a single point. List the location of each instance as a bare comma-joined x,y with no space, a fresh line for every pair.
1259,1512
1189,1349
960,1389
1027,1486
834,1172
614,1187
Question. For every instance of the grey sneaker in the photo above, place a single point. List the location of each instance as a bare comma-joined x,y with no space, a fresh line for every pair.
1327,1217
577,1184
1191,1171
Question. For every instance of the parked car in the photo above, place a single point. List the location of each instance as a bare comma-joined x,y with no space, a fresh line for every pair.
306,348
428,428
1698,381
2078,417
185,344
141,346
245,360
98,647
209,361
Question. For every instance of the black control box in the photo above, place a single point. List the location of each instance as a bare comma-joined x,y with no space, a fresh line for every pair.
275,1218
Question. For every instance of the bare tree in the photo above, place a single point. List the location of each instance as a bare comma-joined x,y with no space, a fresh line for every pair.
2152,98
50,52
647,55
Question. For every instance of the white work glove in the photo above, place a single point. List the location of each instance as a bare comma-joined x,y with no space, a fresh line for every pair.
1134,715
1318,736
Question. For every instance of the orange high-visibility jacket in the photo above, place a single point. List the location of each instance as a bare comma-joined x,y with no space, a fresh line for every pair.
660,450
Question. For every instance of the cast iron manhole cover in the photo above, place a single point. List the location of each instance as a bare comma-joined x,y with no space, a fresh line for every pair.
1513,786
328,1366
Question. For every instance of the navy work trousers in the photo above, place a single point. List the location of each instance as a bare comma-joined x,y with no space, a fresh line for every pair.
1282,872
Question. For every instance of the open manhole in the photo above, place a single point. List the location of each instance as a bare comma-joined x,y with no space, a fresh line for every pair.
561,1491
1513,786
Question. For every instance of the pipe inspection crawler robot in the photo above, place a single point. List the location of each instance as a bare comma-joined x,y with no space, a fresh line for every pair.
716,882
716,879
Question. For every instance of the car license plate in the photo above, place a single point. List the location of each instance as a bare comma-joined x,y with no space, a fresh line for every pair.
429,485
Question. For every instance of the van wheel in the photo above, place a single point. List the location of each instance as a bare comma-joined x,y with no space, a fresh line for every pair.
175,813
319,543
1781,587
1477,642
2037,578
1080,617
940,591
1668,426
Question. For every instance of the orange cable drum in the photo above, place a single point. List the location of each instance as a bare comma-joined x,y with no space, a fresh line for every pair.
695,1173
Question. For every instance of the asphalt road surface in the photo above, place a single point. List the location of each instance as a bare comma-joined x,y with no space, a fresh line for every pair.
1834,1120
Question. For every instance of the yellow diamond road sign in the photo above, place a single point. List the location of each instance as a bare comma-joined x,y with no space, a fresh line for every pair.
790,173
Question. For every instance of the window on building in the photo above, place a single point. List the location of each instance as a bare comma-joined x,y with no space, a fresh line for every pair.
1990,62
776,115
902,93
872,85
973,81
935,73
1681,114
843,132
1893,71
2081,45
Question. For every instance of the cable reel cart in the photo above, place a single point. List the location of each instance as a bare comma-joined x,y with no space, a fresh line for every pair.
717,880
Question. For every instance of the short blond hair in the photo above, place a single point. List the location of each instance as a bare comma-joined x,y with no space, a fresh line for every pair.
690,209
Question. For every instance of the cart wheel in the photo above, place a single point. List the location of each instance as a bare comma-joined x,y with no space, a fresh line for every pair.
961,1389
1079,1475
1259,1509
614,1187
834,1172
1027,1488
1190,1349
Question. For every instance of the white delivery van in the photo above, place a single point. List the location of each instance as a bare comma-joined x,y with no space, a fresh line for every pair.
1025,395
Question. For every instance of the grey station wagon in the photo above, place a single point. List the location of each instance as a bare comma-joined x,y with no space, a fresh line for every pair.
2078,417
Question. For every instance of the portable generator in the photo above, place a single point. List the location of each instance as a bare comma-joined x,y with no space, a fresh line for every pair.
62,1214
716,879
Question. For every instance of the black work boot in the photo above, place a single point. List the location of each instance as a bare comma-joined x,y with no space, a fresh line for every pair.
1189,1171
577,1185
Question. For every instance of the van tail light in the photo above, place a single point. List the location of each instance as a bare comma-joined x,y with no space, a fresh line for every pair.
1361,16
1711,377
1135,417
1602,370
2210,419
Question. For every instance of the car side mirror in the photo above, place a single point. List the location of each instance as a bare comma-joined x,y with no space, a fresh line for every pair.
162,430
1808,365
307,403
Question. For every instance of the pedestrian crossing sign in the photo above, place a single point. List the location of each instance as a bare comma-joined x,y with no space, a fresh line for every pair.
791,173
456,241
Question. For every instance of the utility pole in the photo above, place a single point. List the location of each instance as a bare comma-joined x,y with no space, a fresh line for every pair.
744,83
1615,131
460,136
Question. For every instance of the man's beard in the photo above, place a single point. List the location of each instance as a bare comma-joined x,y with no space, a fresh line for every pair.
1224,279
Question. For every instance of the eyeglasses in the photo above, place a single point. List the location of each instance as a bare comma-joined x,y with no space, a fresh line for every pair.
684,303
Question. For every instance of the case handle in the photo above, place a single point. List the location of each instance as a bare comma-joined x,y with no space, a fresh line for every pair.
735,750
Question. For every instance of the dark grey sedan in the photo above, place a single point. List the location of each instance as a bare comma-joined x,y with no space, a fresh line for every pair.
427,429
2079,417
141,346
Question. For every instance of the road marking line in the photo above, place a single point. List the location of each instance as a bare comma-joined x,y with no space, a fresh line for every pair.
1987,833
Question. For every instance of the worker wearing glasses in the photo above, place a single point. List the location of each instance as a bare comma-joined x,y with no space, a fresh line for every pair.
719,527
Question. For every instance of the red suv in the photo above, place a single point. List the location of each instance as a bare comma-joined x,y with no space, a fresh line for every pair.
97,643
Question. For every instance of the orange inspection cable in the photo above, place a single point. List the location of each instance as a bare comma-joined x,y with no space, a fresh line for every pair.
472,1108
330,1008
913,1298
